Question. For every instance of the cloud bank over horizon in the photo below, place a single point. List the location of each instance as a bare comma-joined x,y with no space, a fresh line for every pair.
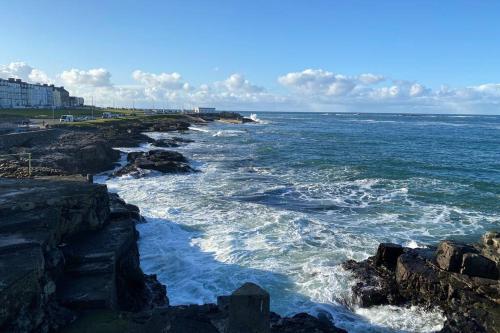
307,90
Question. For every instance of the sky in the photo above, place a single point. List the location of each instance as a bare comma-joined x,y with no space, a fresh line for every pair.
315,55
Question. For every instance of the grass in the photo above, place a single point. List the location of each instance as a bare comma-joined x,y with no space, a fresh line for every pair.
96,122
103,122
57,113
99,321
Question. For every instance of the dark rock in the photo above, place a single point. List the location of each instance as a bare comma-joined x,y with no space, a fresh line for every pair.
169,143
303,323
170,126
193,318
449,255
119,208
430,278
77,153
387,255
62,250
248,309
159,160
172,142
374,285
474,264
182,140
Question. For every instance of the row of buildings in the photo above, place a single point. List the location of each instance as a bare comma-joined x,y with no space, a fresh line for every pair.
14,93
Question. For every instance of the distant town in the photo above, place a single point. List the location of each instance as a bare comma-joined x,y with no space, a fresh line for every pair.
15,93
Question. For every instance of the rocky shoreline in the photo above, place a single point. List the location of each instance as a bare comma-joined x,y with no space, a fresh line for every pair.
460,279
76,267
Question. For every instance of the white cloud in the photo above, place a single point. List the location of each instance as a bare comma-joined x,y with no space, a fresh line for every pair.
370,78
23,71
323,90
237,83
98,77
416,90
321,82
155,81
310,89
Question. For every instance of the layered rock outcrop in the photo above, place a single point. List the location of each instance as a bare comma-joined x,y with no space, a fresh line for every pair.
60,153
460,279
63,249
83,149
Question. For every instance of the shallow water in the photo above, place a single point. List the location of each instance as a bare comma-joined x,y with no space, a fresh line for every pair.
284,202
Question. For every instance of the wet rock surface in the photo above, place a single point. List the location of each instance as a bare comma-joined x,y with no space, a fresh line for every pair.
171,142
159,160
460,279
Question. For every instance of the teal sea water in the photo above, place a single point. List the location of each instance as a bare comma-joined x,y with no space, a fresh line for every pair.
285,201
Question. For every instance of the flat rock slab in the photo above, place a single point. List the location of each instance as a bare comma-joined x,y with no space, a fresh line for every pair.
88,292
21,269
114,239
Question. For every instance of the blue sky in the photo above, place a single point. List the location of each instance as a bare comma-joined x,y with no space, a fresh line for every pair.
237,54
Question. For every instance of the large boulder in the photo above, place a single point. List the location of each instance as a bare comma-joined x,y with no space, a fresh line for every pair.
387,255
158,160
455,277
303,323
449,255
474,264
174,141
374,284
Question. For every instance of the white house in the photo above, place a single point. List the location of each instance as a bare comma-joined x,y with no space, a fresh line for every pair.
200,109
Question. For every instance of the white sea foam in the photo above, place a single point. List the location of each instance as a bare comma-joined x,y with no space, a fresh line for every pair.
202,249
254,117
229,133
199,129
238,221
413,319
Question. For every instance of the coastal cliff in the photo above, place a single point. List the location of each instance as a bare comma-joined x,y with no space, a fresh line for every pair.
70,263
67,246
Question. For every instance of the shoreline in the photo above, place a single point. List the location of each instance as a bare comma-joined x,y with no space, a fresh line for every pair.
121,138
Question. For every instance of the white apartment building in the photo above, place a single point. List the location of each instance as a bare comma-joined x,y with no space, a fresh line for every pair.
40,95
10,94
15,93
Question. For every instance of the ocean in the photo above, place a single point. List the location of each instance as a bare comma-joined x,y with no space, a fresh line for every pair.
285,201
